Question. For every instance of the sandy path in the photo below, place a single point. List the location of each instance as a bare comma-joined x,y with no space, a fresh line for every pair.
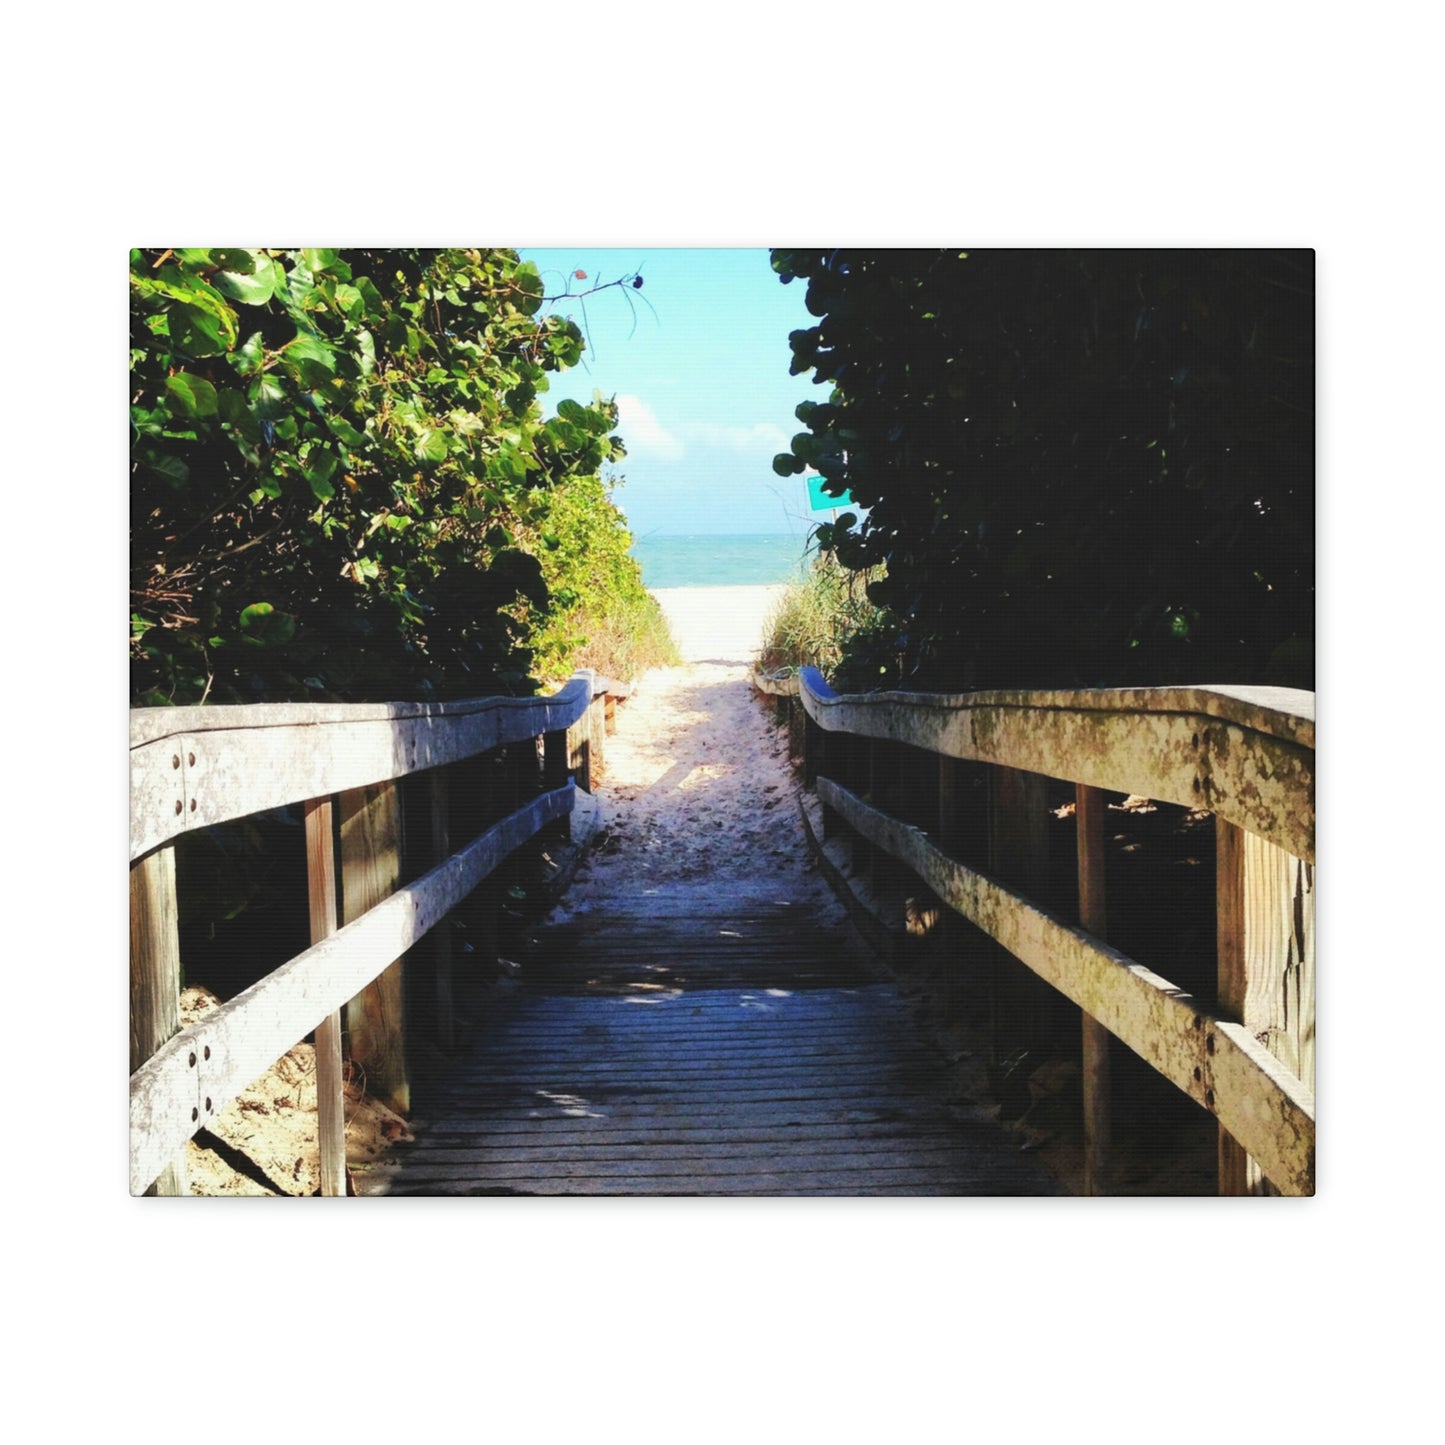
718,624
699,805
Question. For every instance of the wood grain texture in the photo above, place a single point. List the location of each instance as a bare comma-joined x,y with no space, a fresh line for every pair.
1089,808
1216,1062
371,842
590,1077
1246,754
1266,964
330,1094
194,767
155,982
210,1062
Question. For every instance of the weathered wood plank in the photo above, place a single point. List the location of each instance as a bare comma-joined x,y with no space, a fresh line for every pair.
1218,1064
194,767
1019,856
210,1062
1266,967
1245,754
1239,1175
371,850
1089,807
155,982
524,716
330,1094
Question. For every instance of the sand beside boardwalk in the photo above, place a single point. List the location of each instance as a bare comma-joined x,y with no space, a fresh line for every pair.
719,624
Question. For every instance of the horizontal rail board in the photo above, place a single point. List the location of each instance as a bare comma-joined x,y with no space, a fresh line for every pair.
1218,1064
1246,754
783,683
195,767
203,1067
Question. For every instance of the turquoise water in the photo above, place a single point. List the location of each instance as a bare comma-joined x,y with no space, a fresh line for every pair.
753,561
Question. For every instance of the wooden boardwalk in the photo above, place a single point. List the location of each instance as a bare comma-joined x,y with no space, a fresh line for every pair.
743,1052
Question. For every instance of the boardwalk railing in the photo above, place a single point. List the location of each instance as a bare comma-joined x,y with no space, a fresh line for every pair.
1246,755
192,768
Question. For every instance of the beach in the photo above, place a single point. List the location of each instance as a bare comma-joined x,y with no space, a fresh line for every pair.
698,804
719,624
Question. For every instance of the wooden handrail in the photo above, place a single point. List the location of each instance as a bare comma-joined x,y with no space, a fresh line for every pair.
196,1073
195,767
1244,754
192,768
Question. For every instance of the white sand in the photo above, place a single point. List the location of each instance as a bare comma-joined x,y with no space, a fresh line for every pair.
699,804
719,624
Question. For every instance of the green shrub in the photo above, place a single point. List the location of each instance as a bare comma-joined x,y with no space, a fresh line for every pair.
826,621
601,616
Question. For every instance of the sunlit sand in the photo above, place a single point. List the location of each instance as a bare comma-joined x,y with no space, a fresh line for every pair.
718,624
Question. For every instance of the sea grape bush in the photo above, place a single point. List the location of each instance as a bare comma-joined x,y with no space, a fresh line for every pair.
335,458
1079,468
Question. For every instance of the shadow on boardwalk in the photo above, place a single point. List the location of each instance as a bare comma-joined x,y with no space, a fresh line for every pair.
700,1016
722,1052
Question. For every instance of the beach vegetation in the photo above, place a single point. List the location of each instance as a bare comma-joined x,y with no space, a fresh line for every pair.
342,475
828,621
600,615
1076,468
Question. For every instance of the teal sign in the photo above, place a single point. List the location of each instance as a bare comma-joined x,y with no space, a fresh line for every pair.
818,499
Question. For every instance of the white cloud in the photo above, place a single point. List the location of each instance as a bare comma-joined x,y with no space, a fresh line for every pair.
762,437
641,431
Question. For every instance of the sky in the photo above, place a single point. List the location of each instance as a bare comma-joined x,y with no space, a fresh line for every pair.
698,363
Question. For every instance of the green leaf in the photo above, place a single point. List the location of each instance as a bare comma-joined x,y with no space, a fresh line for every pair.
350,300
234,258
312,360
343,429
268,397
250,355
189,395
320,260
264,626
318,468
173,469
236,413
432,446
528,289
198,330
253,286
370,296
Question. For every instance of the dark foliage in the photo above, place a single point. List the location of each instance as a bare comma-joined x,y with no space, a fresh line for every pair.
1080,468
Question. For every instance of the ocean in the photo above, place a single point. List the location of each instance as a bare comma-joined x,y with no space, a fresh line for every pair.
744,561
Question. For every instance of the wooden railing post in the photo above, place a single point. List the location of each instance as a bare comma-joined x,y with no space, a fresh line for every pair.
1093,917
597,733
554,775
579,753
371,844
155,976
330,1097
1266,966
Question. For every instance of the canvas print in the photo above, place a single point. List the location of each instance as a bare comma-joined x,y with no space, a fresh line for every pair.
722,722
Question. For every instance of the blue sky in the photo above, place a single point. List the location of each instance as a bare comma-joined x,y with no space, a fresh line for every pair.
701,380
